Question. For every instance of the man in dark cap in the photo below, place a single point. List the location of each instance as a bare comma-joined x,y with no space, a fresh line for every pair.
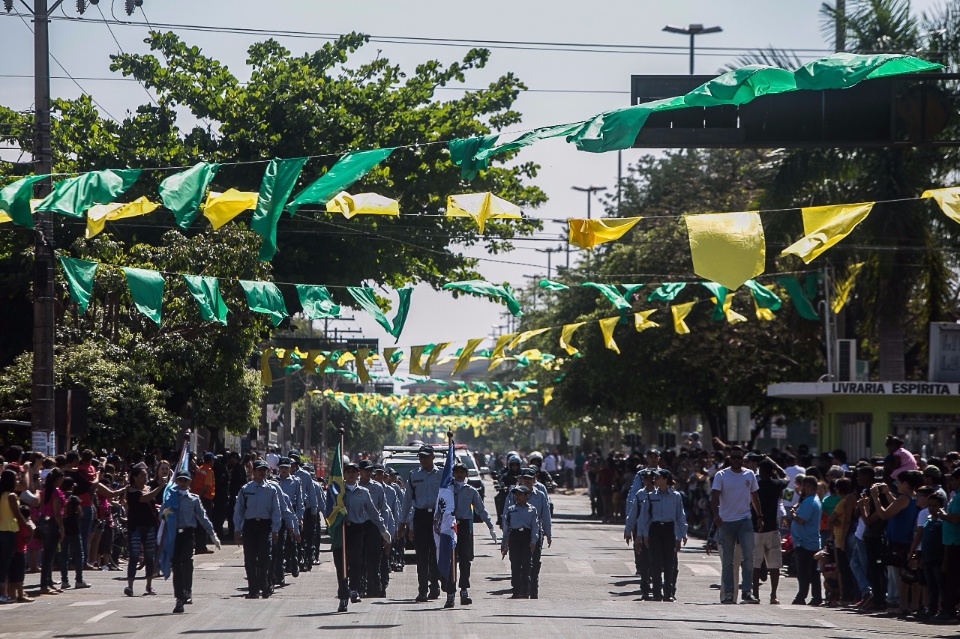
285,555
538,499
631,532
521,533
190,515
399,541
360,514
662,527
373,583
393,510
310,510
467,504
419,502
257,517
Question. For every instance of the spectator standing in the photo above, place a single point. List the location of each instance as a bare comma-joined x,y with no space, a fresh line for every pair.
51,527
900,515
733,494
141,528
951,550
805,529
11,521
767,542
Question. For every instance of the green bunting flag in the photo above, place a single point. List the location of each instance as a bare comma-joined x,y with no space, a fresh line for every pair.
182,192
265,297
550,285
316,302
480,287
275,189
365,298
763,296
79,274
620,300
800,300
463,150
15,200
528,138
842,70
720,293
348,169
146,289
666,292
206,290
742,85
72,197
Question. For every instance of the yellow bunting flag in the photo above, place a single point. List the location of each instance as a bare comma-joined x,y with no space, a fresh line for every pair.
284,354
731,315
360,361
565,334
547,395
680,312
362,204
842,290
464,360
763,314
524,336
220,208
266,377
496,357
588,233
606,327
435,355
416,357
642,321
727,248
388,359
824,226
100,214
481,207
345,357
948,199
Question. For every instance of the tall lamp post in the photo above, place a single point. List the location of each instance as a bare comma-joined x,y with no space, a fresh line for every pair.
589,190
693,31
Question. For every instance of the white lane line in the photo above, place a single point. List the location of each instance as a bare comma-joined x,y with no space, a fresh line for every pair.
702,570
102,615
24,634
96,602
579,567
824,623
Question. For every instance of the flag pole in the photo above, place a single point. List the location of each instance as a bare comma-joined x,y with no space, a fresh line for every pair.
453,551
343,524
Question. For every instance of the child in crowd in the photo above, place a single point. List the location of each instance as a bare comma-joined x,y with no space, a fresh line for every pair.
18,567
931,556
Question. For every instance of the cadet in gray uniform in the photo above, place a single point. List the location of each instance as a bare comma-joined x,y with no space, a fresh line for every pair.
423,487
636,503
539,500
521,533
662,526
285,552
373,585
360,512
467,502
190,516
399,542
311,508
257,516
393,507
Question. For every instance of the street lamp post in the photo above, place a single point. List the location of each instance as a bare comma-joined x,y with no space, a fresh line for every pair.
589,190
693,31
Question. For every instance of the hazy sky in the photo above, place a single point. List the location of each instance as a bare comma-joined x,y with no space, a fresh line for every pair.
601,79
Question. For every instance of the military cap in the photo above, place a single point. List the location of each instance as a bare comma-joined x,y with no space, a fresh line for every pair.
184,475
528,472
350,466
426,449
259,463
520,488
365,464
284,461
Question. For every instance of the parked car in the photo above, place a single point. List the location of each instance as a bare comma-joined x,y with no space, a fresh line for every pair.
403,459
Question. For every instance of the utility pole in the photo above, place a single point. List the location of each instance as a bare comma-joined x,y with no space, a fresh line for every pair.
549,252
840,37
589,190
42,406
693,31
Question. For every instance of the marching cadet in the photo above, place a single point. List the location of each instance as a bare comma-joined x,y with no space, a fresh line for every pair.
399,542
373,584
360,513
286,547
662,526
636,503
539,500
257,517
190,516
467,503
419,502
393,507
521,532
310,509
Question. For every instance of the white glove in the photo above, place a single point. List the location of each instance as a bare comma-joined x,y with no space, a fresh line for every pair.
386,536
216,542
493,534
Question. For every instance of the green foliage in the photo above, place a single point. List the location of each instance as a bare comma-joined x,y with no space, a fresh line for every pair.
363,432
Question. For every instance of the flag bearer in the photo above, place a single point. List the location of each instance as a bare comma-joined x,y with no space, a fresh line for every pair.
360,513
190,515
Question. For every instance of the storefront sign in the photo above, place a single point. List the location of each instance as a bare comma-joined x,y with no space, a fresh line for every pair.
801,389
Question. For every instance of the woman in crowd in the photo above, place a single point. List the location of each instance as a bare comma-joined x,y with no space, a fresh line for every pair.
141,528
51,527
11,519
901,517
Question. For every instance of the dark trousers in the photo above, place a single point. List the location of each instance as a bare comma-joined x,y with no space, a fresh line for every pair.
933,575
256,555
521,559
306,540
535,568
642,561
848,584
51,537
951,577
384,570
71,549
464,551
372,550
349,581
663,558
876,571
283,551
182,563
426,549
808,579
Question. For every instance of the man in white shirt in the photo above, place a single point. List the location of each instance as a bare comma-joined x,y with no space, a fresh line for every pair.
734,493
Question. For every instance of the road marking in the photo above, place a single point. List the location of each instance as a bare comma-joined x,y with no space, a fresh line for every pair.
703,570
96,602
102,615
579,567
824,623
24,634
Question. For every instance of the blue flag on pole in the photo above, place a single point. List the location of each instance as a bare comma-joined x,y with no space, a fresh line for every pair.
444,521
167,533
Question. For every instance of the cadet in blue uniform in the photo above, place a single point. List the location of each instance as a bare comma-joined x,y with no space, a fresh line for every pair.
644,479
392,508
310,510
257,517
662,526
190,516
423,487
521,533
360,513
467,502
539,500
399,542
285,557
373,584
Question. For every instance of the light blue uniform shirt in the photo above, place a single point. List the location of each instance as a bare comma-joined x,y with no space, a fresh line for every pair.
518,517
467,501
293,489
309,493
190,513
423,487
634,506
378,495
257,501
360,507
538,499
663,507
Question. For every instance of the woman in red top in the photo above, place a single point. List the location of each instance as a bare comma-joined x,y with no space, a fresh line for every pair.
19,566
51,528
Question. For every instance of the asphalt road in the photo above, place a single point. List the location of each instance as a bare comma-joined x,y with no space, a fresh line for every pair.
588,589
